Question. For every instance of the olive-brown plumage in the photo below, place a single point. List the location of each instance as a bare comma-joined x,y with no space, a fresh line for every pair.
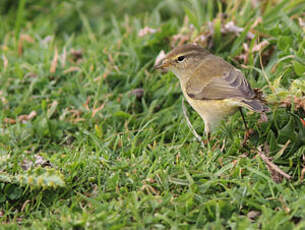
212,86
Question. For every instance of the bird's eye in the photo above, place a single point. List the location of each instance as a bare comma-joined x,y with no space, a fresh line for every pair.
180,58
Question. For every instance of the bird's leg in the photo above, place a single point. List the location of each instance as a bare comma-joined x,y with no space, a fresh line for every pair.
244,120
189,124
207,133
248,132
209,137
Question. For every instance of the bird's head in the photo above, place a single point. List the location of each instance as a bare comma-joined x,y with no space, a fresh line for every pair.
183,59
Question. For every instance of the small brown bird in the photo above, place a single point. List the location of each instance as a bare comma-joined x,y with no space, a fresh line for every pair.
212,86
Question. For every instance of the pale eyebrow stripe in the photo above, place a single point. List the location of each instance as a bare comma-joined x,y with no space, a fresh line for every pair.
185,54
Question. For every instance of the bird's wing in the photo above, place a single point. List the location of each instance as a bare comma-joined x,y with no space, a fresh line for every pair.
223,82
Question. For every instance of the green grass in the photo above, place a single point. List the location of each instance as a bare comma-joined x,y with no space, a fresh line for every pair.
95,156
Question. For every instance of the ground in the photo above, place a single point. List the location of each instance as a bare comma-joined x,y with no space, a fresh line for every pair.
92,137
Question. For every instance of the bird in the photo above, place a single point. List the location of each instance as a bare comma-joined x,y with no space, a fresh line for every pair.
214,88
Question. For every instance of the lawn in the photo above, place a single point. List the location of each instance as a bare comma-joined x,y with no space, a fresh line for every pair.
92,137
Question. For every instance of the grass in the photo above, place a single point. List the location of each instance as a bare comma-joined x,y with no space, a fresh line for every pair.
80,149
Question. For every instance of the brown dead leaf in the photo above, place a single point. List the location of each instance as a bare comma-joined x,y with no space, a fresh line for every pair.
299,102
149,189
75,117
160,57
220,160
22,38
26,164
54,61
63,58
40,161
30,75
284,205
139,92
223,145
263,118
146,30
252,215
247,135
303,121
9,121
92,193
20,47
149,180
260,46
184,34
2,98
230,27
201,39
119,98
276,177
52,109
77,55
283,148
256,48
5,62
106,73
47,39
303,169
302,174
77,120
245,55
250,35
276,173
26,37
86,105
95,110
27,117
72,69
180,39
97,79
4,47
75,112
301,23
113,65
257,21
24,205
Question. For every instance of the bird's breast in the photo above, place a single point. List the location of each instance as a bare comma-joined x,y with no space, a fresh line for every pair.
212,111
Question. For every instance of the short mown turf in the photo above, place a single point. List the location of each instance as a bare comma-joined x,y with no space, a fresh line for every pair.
92,137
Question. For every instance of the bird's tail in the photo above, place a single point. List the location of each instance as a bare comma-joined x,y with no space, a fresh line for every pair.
257,104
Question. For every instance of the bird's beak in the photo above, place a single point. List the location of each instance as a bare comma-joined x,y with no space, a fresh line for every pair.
162,65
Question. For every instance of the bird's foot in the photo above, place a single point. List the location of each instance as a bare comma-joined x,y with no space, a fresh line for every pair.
247,134
208,138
